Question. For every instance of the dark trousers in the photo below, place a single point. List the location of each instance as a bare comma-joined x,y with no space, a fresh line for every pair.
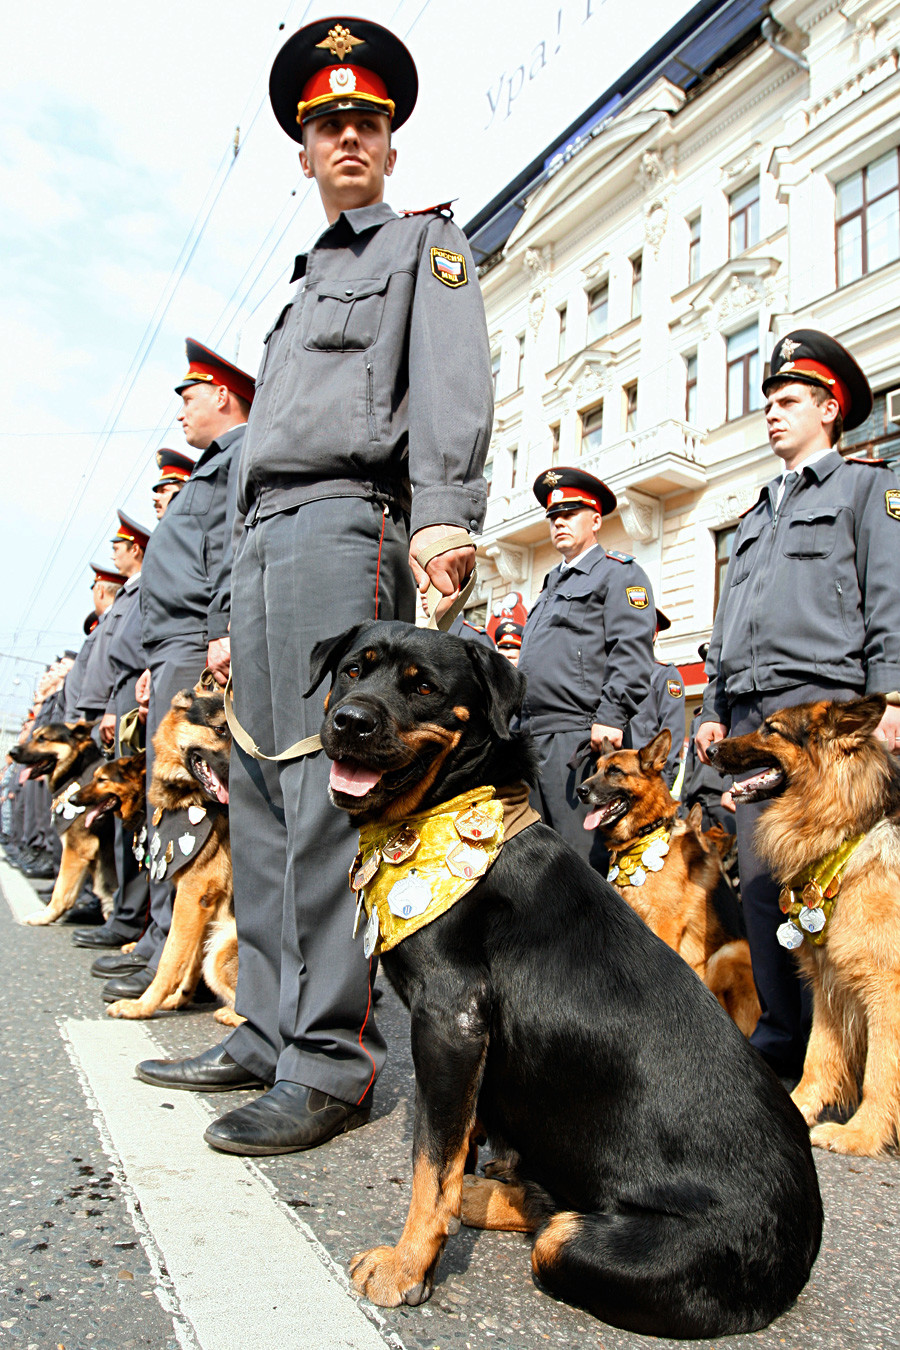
554,796
783,1028
175,664
131,903
303,981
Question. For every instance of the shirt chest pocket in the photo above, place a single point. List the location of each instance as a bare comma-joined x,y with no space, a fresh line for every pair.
811,533
197,495
271,342
744,553
345,316
569,605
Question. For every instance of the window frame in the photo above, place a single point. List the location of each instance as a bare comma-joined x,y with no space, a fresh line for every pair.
637,277
861,212
748,384
584,416
520,362
694,273
630,392
593,307
562,312
743,213
690,385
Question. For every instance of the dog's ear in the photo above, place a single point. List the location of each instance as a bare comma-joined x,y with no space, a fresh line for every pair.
503,686
328,654
137,764
695,817
654,754
183,699
606,747
858,718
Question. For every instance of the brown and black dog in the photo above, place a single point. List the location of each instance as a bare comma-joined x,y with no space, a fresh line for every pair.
547,1015
830,781
677,888
189,790
65,753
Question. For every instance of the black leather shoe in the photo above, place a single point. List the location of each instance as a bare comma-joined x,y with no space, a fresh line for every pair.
98,937
128,986
117,963
90,912
42,869
288,1118
212,1071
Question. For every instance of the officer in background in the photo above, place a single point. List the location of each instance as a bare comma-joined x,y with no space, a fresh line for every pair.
174,471
371,422
126,660
104,589
810,610
460,627
663,707
508,640
186,589
701,784
587,650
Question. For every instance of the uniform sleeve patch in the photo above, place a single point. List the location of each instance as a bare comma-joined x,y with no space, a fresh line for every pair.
450,268
637,597
892,503
675,688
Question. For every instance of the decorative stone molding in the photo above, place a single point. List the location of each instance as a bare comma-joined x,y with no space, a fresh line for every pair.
510,561
640,515
874,73
651,171
747,159
656,220
727,508
600,265
538,262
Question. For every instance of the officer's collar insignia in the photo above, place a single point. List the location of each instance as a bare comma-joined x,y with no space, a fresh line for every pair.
340,41
788,347
551,479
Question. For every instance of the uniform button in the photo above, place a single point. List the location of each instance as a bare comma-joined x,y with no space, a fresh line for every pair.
348,292
473,524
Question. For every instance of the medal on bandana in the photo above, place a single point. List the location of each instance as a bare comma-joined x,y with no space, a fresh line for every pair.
401,846
361,873
195,814
409,897
475,825
370,936
468,862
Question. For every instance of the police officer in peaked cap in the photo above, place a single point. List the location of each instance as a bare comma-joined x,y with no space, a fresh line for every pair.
508,639
174,471
587,650
369,431
810,610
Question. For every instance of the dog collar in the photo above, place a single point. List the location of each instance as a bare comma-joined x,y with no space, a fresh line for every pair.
630,867
809,899
407,875
174,839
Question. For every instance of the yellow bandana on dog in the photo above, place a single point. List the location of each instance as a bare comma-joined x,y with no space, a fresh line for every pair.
809,900
630,867
408,874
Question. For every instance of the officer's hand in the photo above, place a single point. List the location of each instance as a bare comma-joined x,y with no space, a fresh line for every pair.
599,731
218,658
888,728
142,690
447,571
707,732
107,728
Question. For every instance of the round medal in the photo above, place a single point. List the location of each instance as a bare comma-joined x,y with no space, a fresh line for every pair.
789,935
409,897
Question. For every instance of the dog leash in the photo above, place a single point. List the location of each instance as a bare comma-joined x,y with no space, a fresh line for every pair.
310,744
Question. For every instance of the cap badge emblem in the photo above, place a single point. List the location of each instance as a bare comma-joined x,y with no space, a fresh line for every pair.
340,41
342,80
551,479
788,347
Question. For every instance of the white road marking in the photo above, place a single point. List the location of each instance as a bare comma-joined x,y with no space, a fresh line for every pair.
20,897
242,1269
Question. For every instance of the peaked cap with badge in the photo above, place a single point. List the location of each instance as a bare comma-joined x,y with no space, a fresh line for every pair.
566,489
174,467
103,572
508,635
207,367
815,358
130,532
341,64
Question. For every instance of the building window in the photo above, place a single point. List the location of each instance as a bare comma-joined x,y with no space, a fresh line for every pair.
488,472
724,544
513,466
743,218
637,268
690,389
868,219
562,313
598,312
520,361
744,393
495,371
554,444
694,273
592,429
630,392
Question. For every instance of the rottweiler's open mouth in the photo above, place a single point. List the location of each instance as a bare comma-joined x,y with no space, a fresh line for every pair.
207,777
351,778
766,783
607,813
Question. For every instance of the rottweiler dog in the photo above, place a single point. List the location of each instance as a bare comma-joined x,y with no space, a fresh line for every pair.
66,754
665,1173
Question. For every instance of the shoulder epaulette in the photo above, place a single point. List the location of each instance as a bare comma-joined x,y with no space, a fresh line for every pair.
474,627
619,557
860,459
442,209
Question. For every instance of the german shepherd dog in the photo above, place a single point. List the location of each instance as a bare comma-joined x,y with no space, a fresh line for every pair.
64,752
190,774
546,1015
830,780
677,897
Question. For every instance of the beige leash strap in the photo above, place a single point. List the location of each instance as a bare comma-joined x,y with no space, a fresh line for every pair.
310,744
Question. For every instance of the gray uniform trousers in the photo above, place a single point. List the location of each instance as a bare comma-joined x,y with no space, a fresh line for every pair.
303,982
132,899
554,796
783,1028
175,664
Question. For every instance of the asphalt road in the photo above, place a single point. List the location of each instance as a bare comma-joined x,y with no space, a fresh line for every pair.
119,1228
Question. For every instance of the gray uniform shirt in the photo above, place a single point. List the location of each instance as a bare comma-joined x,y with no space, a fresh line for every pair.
96,686
186,574
127,657
587,650
75,678
811,593
663,707
376,373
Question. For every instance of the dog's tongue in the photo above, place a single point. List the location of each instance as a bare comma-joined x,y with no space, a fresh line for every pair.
222,793
593,819
353,779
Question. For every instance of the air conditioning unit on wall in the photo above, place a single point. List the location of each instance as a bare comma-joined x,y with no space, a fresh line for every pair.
893,405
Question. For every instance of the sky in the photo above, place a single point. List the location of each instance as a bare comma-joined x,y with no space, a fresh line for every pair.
128,223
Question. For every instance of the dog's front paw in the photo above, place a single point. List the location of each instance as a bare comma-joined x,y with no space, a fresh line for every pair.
380,1274
38,920
847,1139
228,1017
809,1104
131,1008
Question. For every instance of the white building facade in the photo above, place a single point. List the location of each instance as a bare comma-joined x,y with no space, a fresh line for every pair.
634,307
